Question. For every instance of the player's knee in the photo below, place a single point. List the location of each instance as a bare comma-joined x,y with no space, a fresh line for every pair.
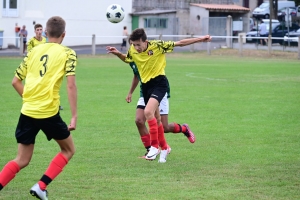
139,121
166,128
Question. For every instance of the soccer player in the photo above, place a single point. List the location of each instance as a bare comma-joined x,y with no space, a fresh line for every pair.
150,59
43,69
37,39
164,111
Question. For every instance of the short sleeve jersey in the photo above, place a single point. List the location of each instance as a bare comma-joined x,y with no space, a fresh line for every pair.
43,69
152,62
34,42
136,72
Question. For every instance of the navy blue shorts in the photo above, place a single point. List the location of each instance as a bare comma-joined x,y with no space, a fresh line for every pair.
28,128
155,88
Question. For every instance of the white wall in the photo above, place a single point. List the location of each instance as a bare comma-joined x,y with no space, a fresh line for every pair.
83,18
198,26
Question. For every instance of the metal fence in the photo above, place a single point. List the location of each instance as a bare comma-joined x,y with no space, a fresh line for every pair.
237,42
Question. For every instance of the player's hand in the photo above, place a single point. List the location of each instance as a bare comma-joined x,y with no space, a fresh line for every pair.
72,125
128,98
112,50
207,38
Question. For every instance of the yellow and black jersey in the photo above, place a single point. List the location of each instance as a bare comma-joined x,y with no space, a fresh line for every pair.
152,62
43,69
34,42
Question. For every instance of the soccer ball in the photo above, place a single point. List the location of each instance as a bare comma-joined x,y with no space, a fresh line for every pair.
115,13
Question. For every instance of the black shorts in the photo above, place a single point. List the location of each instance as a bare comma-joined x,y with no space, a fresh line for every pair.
28,127
124,43
155,88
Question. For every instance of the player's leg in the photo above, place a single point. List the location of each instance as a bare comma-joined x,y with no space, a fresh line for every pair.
140,121
25,134
10,170
141,126
174,127
149,112
154,91
55,128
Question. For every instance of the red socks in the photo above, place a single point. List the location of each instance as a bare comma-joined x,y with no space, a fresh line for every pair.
8,172
161,137
146,140
56,166
178,128
153,130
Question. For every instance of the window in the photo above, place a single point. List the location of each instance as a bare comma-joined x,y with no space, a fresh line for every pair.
155,23
10,8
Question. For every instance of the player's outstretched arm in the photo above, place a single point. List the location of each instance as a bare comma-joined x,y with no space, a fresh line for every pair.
188,41
18,85
114,50
134,83
72,96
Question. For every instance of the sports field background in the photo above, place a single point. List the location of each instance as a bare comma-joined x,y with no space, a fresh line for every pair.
244,112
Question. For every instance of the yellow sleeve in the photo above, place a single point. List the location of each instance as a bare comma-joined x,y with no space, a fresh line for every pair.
21,71
71,63
166,46
30,45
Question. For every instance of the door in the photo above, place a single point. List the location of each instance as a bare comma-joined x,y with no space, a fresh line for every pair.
135,22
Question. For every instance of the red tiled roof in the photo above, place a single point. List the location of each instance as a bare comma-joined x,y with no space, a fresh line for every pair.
221,7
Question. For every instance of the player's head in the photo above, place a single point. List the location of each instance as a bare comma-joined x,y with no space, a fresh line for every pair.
124,27
38,29
138,39
55,27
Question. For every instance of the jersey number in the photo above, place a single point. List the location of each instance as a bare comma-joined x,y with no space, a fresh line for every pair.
44,59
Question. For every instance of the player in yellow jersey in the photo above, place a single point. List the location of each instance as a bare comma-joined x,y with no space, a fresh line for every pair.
37,39
150,59
43,70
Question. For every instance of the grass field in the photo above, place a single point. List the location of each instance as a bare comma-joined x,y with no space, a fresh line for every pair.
244,112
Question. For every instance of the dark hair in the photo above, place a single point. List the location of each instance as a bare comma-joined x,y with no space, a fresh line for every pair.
124,27
138,34
37,26
55,26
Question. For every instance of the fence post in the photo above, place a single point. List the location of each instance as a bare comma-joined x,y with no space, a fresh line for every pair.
241,45
269,44
21,45
229,31
93,44
299,47
208,48
192,48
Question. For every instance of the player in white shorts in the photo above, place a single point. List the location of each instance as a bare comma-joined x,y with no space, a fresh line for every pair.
164,111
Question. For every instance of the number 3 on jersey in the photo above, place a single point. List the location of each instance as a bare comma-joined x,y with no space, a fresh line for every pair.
44,59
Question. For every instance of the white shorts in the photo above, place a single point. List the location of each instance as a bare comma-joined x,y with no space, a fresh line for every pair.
163,106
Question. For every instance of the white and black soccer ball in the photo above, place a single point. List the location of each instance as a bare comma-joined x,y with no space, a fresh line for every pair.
115,13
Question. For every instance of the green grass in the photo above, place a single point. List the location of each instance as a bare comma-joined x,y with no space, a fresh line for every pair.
244,111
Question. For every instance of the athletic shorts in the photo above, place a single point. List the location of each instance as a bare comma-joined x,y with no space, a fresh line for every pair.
155,88
28,128
124,43
163,106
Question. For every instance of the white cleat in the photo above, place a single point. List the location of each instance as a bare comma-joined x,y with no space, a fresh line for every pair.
36,191
163,156
153,152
